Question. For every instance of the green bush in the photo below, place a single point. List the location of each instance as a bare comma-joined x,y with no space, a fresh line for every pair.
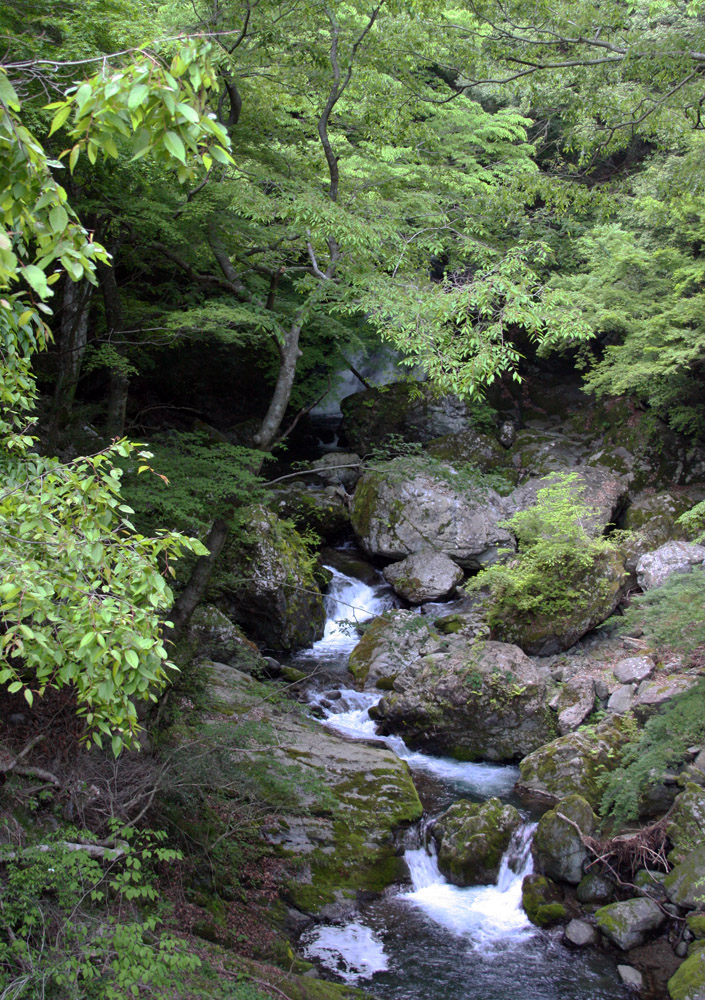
672,616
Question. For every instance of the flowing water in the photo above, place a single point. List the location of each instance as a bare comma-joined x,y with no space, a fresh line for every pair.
428,939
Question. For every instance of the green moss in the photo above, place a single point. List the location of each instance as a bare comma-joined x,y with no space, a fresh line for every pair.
696,924
688,982
541,900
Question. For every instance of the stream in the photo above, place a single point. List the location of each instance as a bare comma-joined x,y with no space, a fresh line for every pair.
429,939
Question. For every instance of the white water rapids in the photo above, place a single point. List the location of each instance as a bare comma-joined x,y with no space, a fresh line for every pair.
484,916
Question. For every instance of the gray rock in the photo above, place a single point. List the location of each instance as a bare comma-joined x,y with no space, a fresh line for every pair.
471,838
633,669
215,637
654,568
471,699
406,505
686,828
595,888
580,933
506,433
600,489
423,576
576,702
620,701
685,885
631,977
651,695
335,468
558,848
628,924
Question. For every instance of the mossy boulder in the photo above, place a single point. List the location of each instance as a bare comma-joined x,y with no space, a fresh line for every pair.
686,827
266,581
470,699
685,885
424,576
595,888
629,923
695,923
688,982
471,838
576,762
474,448
558,848
542,901
539,451
408,504
213,636
323,510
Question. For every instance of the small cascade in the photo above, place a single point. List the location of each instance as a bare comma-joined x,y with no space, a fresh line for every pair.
353,952
487,915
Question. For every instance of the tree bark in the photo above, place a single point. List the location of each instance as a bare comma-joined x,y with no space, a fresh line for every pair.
289,354
119,381
194,590
72,345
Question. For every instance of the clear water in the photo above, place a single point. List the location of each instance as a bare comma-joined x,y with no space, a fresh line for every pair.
428,939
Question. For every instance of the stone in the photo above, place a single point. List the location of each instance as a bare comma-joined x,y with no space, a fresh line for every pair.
654,568
558,848
685,885
576,762
651,695
595,888
339,468
580,933
575,703
471,839
633,669
542,901
402,506
627,924
265,580
650,883
620,701
688,982
323,510
631,977
603,492
696,925
470,699
426,575
686,827
475,448
214,637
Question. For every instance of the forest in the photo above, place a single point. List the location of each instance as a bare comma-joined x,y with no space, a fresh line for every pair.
480,218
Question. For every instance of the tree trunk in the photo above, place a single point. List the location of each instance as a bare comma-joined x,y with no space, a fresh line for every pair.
289,354
117,404
72,344
194,590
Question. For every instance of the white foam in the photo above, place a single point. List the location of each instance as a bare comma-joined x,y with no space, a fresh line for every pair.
353,952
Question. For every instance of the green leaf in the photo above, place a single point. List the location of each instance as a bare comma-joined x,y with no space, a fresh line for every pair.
8,95
59,118
137,95
174,144
58,218
35,277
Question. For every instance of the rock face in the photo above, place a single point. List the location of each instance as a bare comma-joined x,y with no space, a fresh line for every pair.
476,448
266,582
471,838
424,576
408,504
654,568
352,797
474,700
627,924
320,509
575,762
558,849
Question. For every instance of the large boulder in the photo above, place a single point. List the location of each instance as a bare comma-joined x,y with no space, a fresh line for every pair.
265,580
688,982
542,901
471,838
323,510
424,576
475,448
686,827
407,410
582,599
409,503
473,700
628,924
685,885
576,762
539,451
654,568
603,492
558,846
212,636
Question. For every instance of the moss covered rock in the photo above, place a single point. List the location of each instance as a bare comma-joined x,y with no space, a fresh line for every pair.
628,924
685,885
266,581
558,848
213,636
424,576
576,762
542,901
323,510
471,838
686,828
688,983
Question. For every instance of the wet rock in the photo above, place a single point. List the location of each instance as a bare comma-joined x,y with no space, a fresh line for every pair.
471,838
686,828
542,901
654,568
627,924
404,505
685,884
558,847
473,700
424,576
580,933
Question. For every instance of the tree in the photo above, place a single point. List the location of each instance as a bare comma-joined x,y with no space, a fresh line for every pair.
82,594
